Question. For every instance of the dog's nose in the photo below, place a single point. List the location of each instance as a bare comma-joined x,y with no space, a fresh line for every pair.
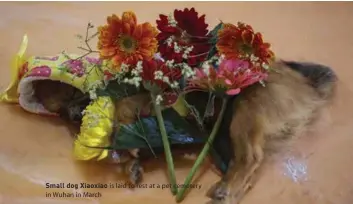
76,117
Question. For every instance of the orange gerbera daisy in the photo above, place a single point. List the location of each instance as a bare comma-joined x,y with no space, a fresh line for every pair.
125,41
240,42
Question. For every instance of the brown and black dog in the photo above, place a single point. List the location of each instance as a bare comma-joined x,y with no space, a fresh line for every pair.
259,116
255,119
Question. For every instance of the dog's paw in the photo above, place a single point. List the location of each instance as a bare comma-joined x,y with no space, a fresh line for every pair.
135,172
218,192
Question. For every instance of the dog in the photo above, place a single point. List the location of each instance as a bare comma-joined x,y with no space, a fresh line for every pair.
256,119
259,116
293,95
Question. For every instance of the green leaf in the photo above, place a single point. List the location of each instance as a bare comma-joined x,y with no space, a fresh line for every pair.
146,134
214,32
213,40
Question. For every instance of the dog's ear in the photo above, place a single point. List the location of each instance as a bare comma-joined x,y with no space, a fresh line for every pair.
321,77
318,74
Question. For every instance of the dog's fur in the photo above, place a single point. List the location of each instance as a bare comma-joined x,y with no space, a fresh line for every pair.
291,99
61,98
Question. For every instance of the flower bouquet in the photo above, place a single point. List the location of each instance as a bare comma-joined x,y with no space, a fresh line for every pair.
180,57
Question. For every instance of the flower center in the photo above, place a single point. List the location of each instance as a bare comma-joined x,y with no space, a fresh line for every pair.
245,48
127,44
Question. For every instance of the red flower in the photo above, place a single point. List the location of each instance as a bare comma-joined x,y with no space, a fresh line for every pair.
150,68
240,42
190,30
169,98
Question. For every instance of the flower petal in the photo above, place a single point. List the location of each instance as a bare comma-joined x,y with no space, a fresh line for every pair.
116,60
145,52
129,17
233,92
228,82
112,19
145,41
162,23
127,29
108,52
257,39
247,37
199,73
137,32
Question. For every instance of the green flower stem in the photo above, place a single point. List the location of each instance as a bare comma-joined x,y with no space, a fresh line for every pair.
166,145
204,152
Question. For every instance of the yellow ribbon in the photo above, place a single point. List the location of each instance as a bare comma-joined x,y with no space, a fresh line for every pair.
10,95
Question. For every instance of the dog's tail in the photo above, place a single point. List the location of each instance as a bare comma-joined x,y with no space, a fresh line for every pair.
321,77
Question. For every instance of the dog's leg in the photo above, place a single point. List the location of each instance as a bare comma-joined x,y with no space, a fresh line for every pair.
238,180
131,165
248,146
134,170
242,182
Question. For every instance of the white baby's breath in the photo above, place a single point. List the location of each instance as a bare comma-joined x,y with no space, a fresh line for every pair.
177,48
169,63
171,21
187,71
124,68
158,75
170,41
92,94
166,80
265,66
159,99
136,81
136,75
219,60
93,89
206,67
253,58
174,85
187,51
